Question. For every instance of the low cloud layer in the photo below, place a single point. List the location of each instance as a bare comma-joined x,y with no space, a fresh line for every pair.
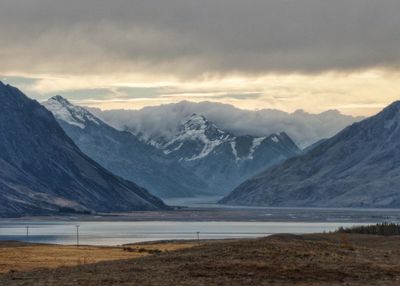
163,121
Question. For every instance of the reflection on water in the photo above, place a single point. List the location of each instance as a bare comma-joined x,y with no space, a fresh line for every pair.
116,233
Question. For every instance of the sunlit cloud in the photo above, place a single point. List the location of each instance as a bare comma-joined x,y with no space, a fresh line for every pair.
360,93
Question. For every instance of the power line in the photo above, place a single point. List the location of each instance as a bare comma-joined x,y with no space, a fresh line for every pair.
77,235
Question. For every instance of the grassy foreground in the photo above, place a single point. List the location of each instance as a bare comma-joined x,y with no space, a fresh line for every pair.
319,259
20,257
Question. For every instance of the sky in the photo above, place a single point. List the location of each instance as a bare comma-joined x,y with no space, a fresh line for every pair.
314,55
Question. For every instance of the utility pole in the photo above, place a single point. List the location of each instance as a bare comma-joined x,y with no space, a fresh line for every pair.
77,235
27,233
198,237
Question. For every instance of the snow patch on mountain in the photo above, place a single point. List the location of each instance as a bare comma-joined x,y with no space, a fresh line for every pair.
63,110
256,142
166,152
275,139
208,148
234,151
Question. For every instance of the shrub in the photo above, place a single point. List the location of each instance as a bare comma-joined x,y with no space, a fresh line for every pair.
377,229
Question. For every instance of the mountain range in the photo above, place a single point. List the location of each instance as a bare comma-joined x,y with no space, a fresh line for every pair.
42,171
123,153
70,160
200,159
358,167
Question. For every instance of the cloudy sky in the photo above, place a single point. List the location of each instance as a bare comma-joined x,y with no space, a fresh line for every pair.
285,54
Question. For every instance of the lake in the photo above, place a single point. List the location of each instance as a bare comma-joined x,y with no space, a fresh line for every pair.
122,232
202,215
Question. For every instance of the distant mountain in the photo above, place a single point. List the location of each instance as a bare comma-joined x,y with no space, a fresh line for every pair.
359,167
164,121
221,158
43,172
123,153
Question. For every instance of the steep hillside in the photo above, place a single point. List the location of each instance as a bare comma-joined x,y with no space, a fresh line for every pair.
42,171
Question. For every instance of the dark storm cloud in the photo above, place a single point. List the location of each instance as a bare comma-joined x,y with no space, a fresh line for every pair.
192,37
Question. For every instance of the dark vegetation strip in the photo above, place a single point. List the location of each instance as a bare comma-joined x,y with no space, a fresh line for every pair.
386,229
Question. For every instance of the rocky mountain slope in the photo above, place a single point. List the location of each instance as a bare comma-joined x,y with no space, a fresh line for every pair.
359,167
221,158
42,171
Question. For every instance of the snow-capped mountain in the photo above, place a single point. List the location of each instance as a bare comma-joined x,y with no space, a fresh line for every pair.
222,159
64,111
43,172
197,138
359,167
123,153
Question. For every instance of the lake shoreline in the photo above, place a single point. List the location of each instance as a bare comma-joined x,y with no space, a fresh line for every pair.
204,214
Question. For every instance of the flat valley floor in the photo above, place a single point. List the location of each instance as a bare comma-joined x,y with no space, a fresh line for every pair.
317,259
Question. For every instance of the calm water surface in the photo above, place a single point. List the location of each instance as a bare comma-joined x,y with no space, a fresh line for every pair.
117,233
212,221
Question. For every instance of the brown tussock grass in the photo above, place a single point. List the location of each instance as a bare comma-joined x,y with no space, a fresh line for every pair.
26,257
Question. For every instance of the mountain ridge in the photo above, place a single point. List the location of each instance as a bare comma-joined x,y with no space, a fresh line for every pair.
358,167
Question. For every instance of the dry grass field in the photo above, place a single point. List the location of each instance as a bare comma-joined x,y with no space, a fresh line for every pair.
17,257
319,259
